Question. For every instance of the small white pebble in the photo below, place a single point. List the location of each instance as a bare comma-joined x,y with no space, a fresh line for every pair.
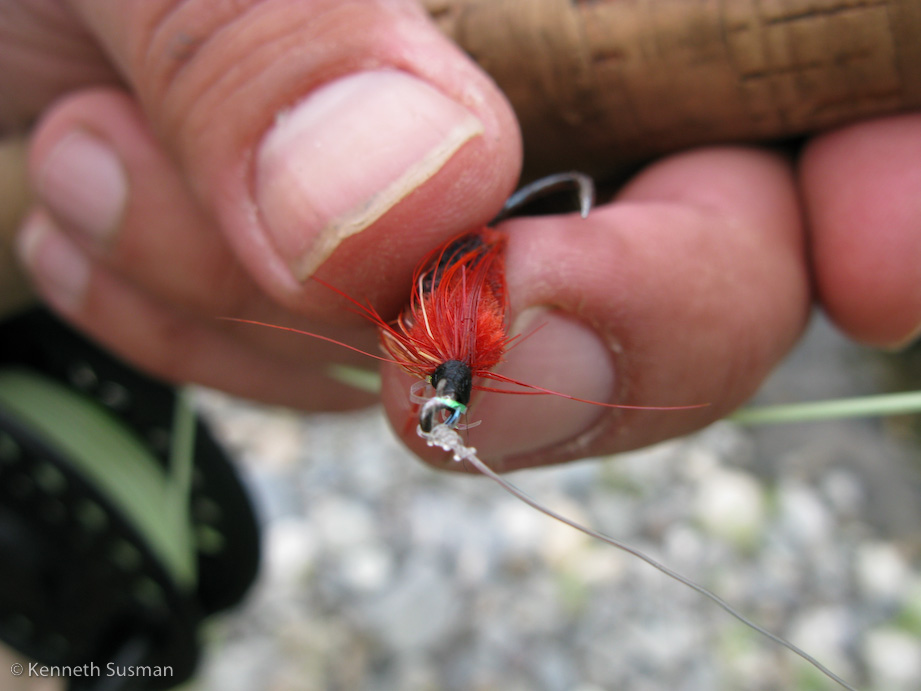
894,659
560,541
342,523
368,568
290,548
844,492
806,519
881,571
730,504
824,632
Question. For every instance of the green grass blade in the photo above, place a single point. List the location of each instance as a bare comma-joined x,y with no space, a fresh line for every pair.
356,377
861,406
108,455
182,462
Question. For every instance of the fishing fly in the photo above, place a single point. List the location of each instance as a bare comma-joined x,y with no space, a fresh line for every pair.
454,331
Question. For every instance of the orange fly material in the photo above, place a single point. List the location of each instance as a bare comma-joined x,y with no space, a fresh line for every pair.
457,309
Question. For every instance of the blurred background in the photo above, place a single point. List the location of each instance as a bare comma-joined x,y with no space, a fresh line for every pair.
380,573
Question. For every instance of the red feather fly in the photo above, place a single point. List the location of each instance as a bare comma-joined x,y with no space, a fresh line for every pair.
455,326
457,310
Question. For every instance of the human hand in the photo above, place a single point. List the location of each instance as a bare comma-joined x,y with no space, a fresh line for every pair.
198,187
696,278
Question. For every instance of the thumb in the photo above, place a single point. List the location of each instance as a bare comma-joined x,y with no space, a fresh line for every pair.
318,134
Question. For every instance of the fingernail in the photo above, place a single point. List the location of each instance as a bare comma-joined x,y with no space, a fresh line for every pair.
83,182
58,267
345,155
560,353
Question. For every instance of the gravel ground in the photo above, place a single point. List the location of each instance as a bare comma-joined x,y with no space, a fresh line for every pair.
382,574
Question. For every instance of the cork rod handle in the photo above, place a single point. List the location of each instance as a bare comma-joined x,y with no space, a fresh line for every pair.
602,83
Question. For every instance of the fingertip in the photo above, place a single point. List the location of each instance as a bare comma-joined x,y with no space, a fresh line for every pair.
749,185
98,170
862,194
59,268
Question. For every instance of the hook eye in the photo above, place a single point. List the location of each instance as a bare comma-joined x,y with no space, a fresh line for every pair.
440,404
